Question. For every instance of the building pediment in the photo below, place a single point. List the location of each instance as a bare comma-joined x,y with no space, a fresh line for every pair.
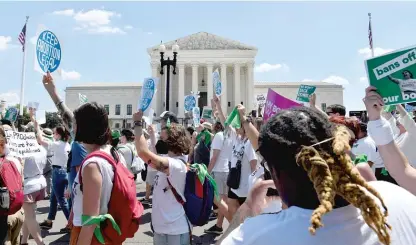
205,41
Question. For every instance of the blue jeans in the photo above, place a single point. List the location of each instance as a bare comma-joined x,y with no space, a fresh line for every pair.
71,179
59,184
164,239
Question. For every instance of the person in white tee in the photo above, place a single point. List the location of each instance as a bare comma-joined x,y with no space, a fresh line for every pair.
407,84
328,202
169,221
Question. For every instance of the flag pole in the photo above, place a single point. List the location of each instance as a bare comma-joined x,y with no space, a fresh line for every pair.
370,35
22,85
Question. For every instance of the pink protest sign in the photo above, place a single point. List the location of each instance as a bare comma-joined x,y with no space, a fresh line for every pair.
276,102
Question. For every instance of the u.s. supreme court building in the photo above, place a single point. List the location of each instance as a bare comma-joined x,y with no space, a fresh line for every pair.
200,54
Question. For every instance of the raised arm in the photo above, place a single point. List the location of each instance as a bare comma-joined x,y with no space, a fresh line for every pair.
157,162
38,132
218,107
152,135
407,122
64,111
251,131
312,104
381,132
395,80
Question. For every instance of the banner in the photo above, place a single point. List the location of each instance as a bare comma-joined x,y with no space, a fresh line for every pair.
190,102
216,82
276,102
148,92
11,114
22,144
393,75
304,92
196,116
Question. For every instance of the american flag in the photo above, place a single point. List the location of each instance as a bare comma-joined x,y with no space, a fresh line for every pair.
22,37
370,33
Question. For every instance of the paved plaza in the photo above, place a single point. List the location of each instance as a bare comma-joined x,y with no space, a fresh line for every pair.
144,236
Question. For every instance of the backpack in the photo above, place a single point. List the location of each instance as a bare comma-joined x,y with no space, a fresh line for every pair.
11,188
123,205
199,197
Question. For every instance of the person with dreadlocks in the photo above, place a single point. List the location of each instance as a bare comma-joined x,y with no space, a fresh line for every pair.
329,202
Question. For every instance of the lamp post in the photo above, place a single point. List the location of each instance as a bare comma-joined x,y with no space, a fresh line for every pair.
168,63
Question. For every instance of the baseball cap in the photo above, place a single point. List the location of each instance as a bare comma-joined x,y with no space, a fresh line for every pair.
168,115
115,134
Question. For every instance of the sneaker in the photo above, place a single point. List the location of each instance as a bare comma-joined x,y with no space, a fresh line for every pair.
65,230
145,201
214,230
213,216
45,225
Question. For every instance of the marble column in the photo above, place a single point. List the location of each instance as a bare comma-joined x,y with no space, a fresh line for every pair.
156,99
237,82
181,91
250,86
194,78
210,85
224,100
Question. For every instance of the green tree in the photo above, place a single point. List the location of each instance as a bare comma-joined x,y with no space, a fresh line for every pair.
52,120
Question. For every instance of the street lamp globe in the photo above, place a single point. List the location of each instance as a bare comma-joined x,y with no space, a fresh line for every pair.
162,47
175,47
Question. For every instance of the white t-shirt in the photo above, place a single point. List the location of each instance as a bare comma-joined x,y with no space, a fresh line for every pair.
33,172
407,141
168,215
368,147
342,226
226,147
407,85
128,152
248,155
274,206
60,151
107,173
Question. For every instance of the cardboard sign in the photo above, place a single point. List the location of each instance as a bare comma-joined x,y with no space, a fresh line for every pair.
216,82
196,116
11,114
207,112
148,92
393,75
275,102
22,144
261,100
190,102
304,92
48,51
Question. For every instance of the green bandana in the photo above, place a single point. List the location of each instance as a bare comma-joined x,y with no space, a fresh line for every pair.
233,119
206,135
384,172
389,108
360,159
96,220
202,172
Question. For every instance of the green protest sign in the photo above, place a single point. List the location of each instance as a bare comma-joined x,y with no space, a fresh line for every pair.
393,75
11,114
207,113
304,92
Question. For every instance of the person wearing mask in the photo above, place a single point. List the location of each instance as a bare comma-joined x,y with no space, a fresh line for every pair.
221,150
60,148
169,220
327,200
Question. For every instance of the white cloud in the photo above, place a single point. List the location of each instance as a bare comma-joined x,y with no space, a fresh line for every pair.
106,29
336,80
364,79
11,98
366,52
128,27
308,80
70,75
66,12
95,17
149,33
4,42
266,67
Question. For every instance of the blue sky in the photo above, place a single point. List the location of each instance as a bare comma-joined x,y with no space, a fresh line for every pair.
107,41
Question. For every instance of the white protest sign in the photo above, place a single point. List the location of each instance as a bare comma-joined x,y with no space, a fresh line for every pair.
22,144
148,92
148,116
261,100
33,105
41,116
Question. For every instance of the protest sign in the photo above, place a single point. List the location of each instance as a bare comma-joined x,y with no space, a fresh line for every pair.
216,82
32,105
22,144
276,102
11,114
409,108
304,92
207,112
147,93
48,51
393,75
261,100
196,116
148,116
190,102
82,98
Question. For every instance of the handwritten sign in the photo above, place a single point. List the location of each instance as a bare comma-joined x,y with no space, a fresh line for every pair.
275,102
48,51
304,92
11,114
196,116
22,144
190,102
261,100
148,91
216,81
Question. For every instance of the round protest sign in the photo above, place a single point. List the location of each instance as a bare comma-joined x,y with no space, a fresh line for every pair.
190,102
217,83
48,51
148,91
